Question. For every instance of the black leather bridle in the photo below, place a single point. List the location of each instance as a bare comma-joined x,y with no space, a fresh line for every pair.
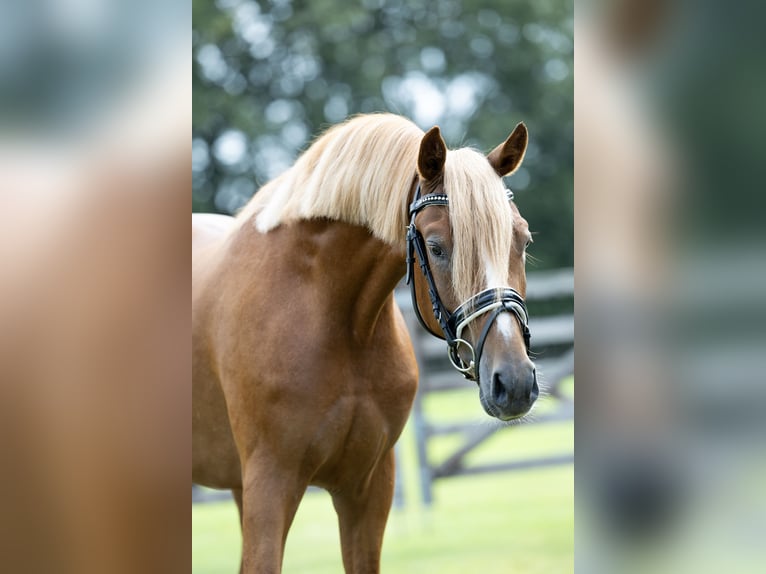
493,301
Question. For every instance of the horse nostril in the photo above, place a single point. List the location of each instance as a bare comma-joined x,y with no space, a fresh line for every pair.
499,393
533,390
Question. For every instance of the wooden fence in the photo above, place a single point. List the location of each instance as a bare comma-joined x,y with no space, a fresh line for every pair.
551,334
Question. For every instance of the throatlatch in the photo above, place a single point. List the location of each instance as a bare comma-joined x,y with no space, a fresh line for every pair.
494,301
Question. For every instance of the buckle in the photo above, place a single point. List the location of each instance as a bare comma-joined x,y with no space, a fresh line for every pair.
469,369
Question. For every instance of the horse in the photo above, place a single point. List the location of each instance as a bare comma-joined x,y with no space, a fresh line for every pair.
303,369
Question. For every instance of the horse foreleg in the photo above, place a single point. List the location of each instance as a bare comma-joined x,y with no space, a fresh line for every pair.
362,517
269,502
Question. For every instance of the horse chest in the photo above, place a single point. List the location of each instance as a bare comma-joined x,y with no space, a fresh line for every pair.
361,423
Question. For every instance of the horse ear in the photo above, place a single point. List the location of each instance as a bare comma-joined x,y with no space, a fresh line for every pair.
507,157
433,152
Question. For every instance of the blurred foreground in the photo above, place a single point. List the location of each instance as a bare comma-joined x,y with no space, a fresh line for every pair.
94,296
670,282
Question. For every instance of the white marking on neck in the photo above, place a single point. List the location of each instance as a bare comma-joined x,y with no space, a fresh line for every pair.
503,321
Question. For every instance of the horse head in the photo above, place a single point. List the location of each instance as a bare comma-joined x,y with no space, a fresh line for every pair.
469,239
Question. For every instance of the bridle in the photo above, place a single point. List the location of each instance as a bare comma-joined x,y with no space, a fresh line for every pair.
494,301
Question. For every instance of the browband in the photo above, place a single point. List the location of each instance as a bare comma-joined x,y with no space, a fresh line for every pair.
438,199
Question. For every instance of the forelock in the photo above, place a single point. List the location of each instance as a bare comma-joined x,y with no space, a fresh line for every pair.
481,219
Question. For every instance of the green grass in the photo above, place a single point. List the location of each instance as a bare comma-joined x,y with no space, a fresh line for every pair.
502,522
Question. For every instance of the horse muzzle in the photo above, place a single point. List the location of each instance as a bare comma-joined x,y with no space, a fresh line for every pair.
510,391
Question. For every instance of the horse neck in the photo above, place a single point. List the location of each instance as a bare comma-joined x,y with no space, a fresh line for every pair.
346,273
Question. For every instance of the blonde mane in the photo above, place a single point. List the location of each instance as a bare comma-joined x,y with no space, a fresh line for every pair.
362,172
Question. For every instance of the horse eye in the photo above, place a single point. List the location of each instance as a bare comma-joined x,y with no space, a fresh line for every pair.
436,251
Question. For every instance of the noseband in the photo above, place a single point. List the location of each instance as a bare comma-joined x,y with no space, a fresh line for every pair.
493,301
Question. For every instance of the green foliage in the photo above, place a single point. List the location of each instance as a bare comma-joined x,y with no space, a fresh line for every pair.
268,76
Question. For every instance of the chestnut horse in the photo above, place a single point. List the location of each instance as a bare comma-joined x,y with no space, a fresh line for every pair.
303,370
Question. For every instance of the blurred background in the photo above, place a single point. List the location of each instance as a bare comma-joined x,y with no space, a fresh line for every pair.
269,77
